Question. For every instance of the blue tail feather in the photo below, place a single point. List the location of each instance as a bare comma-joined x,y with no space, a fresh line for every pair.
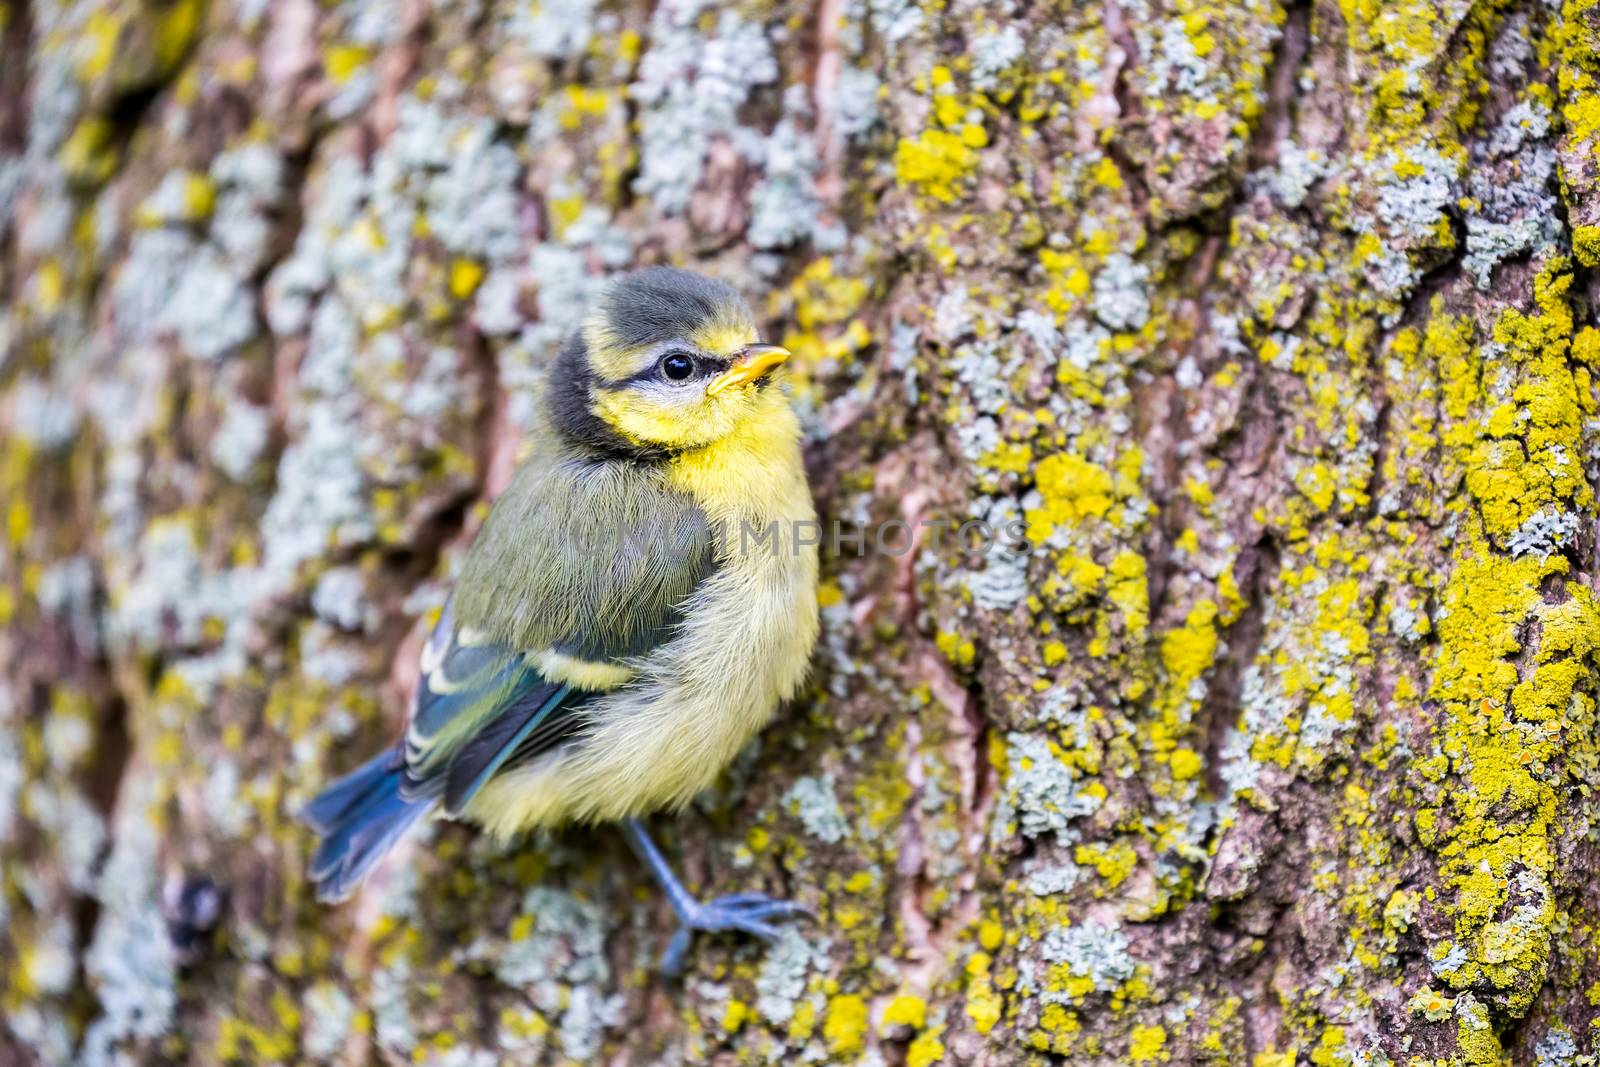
359,818
325,810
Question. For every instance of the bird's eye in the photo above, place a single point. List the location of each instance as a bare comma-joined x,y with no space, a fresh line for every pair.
677,366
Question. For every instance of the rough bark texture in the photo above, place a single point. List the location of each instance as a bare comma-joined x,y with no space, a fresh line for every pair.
1271,323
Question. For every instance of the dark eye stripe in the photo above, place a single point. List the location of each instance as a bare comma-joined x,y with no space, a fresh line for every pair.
704,367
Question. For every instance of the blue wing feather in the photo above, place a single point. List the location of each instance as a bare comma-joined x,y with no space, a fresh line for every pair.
477,762
458,676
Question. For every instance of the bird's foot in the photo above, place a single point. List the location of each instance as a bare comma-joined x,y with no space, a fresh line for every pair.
751,913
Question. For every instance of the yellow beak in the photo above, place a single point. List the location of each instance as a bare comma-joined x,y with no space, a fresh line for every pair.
753,361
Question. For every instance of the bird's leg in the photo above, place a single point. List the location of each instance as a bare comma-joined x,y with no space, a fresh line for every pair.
751,912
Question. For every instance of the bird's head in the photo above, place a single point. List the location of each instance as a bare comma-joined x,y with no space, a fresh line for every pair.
672,360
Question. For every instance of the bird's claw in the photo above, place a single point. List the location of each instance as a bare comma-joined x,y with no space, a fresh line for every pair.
751,913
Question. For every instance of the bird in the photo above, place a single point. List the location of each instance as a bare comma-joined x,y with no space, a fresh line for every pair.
635,607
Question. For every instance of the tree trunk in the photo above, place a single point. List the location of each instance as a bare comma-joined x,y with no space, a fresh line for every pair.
1274,743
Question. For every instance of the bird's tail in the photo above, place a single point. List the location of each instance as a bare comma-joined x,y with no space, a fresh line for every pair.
359,818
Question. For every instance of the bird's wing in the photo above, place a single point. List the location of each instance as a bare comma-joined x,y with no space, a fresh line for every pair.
580,569
478,704
587,557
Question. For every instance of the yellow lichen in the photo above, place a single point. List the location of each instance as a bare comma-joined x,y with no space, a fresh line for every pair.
927,1049
905,1010
1147,1044
845,1026
935,162
1073,489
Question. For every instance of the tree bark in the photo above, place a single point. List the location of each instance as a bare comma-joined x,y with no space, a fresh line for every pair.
1273,741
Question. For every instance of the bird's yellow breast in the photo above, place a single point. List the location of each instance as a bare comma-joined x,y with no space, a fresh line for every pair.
744,646
753,474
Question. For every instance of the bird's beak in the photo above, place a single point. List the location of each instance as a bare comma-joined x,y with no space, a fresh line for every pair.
751,363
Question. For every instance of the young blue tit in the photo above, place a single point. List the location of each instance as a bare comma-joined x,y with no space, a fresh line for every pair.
616,633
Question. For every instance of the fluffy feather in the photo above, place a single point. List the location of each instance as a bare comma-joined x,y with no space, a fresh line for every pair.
743,646
613,640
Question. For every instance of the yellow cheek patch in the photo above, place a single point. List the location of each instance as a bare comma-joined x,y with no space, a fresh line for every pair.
643,421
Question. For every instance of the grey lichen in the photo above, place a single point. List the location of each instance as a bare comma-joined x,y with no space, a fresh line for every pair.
782,980
330,1015
690,88
129,963
1545,532
1121,300
813,802
1042,795
1094,950
560,963
212,311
